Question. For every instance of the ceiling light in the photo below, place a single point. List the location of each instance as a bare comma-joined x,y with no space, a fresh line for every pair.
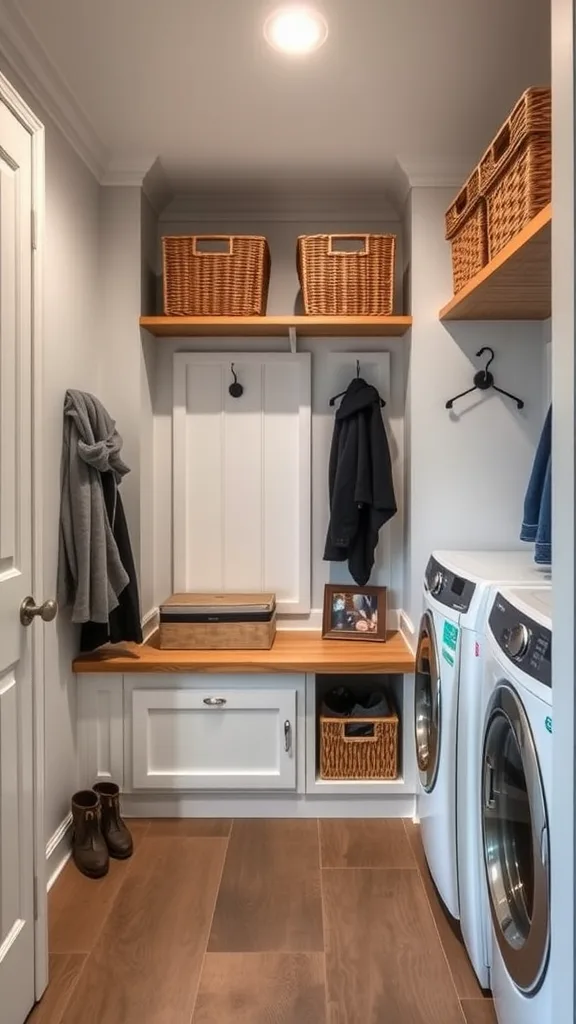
296,30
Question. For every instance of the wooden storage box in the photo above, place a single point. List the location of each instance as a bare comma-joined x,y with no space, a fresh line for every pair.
212,622
516,170
231,280
358,757
467,231
338,282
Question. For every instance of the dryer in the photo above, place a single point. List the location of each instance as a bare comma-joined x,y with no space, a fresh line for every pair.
516,778
448,726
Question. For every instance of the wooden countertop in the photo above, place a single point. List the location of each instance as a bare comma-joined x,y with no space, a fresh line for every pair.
293,651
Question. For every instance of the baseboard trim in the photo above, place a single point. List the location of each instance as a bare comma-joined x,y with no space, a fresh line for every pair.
408,631
185,805
312,621
58,850
150,623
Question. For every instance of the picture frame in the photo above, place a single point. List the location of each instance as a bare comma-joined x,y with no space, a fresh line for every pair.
354,613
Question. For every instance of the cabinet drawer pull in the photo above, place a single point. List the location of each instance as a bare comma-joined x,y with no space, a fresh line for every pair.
214,702
287,735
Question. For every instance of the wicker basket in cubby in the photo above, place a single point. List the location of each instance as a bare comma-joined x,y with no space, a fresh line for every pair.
229,281
338,282
467,231
343,756
516,170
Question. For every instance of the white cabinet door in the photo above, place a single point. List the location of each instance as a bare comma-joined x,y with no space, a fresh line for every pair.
213,739
16,739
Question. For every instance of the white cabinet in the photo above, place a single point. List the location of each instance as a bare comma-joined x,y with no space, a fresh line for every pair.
213,738
222,732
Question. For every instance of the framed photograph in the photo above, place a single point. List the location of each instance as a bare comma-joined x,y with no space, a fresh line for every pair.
354,613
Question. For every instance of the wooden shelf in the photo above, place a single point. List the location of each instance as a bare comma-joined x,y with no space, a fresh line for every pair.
276,326
292,651
516,284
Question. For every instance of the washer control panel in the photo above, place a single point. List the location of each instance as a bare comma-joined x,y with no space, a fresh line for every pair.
447,588
524,641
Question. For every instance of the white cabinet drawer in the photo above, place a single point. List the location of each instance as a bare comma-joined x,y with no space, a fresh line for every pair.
217,738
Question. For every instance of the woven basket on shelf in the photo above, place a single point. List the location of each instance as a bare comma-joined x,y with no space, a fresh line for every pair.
203,282
467,230
338,282
358,757
516,170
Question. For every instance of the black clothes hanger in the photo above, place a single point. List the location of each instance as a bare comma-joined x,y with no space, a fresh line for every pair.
335,398
484,380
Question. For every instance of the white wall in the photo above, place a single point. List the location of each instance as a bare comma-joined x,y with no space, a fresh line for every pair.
70,360
282,235
147,361
127,236
469,467
563,796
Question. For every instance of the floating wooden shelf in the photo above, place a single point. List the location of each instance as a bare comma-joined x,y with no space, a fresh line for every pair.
516,284
276,326
292,651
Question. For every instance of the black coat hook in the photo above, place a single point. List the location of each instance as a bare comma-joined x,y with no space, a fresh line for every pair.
335,398
484,380
235,389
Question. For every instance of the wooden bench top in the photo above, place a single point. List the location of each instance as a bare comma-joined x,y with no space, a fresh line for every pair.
292,651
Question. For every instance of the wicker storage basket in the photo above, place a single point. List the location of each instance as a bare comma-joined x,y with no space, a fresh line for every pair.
337,282
358,757
201,282
516,170
467,230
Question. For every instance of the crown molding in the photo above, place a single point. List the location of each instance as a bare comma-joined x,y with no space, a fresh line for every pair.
146,173
26,56
127,170
449,173
157,187
225,203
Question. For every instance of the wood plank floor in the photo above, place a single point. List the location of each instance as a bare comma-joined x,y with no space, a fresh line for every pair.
249,922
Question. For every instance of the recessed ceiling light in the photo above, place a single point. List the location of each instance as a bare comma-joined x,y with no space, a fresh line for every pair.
296,30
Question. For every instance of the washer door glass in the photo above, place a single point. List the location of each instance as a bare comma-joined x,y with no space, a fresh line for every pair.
427,700
516,840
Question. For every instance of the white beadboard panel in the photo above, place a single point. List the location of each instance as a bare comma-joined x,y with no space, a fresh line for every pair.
241,475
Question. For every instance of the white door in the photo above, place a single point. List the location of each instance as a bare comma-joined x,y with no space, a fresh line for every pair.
16,736
214,739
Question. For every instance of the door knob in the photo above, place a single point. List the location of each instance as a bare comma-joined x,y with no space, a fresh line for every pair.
29,611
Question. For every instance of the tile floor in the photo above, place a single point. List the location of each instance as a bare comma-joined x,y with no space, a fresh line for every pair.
249,922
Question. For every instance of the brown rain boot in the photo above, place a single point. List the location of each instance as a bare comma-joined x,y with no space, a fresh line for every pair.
115,832
89,850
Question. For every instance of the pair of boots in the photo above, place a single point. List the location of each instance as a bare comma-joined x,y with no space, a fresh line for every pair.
99,831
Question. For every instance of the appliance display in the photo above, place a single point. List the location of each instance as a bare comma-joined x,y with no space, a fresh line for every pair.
448,727
516,777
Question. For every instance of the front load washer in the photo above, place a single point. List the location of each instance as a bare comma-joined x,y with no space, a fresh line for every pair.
448,726
516,780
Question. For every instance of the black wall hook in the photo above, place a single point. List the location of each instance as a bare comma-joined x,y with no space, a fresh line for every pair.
235,389
483,380
335,398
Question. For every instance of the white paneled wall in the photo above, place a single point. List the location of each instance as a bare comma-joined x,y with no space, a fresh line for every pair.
241,481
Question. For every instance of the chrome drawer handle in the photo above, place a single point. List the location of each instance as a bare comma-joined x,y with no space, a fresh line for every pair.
214,702
287,735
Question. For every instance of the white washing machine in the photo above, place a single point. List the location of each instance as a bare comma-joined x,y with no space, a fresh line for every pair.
449,674
516,780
